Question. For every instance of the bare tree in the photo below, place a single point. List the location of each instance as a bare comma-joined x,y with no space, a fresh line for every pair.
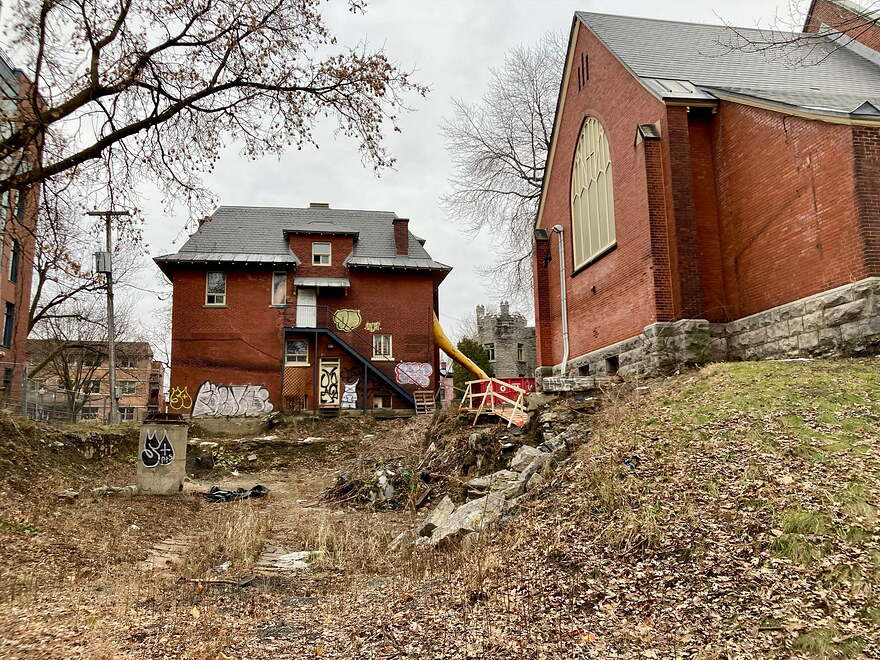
127,89
499,149
803,38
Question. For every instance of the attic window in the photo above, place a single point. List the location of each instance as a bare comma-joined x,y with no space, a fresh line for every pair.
321,254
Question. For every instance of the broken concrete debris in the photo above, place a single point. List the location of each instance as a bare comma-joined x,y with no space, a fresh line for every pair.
495,493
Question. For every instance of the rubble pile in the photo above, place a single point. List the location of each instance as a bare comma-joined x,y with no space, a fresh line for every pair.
488,497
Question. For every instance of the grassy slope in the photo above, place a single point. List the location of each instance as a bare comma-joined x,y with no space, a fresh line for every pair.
748,529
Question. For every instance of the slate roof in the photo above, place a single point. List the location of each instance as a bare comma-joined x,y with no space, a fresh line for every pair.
257,234
827,73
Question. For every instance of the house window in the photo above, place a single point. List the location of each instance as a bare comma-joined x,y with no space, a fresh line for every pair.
490,352
215,288
279,288
14,259
321,254
297,352
21,204
381,347
520,353
126,413
592,195
89,412
381,401
9,324
91,386
127,362
92,360
127,386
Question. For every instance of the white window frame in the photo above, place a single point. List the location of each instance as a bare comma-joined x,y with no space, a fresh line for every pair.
276,276
490,351
88,386
318,257
93,413
127,363
220,298
381,337
123,389
296,363
592,195
122,413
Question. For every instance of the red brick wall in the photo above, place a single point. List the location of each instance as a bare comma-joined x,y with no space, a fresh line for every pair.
707,240
788,218
242,343
340,248
612,299
843,20
866,159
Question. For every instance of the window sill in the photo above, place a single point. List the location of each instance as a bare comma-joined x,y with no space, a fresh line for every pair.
278,306
214,306
382,358
601,255
323,265
297,364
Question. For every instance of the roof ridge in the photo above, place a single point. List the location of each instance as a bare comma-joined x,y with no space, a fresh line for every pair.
664,20
297,208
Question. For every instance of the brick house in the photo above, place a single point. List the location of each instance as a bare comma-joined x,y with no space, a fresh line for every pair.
711,202
508,341
70,380
18,221
301,309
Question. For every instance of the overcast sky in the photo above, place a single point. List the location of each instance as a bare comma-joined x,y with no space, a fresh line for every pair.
451,45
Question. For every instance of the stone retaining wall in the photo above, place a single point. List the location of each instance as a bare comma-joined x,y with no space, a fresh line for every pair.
839,322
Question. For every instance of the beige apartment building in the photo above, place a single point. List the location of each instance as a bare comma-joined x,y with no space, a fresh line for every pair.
69,380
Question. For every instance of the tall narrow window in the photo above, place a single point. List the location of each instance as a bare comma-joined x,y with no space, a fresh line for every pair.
592,195
14,260
20,205
381,347
8,324
520,353
490,352
279,288
215,288
321,254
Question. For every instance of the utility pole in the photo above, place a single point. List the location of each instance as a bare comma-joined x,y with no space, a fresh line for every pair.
104,264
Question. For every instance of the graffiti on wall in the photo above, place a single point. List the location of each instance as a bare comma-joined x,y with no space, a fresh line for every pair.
413,373
373,326
347,320
350,395
179,398
157,452
231,401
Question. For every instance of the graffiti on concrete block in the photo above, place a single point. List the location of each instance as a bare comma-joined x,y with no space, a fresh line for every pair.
413,373
179,398
350,395
347,320
231,401
373,326
157,452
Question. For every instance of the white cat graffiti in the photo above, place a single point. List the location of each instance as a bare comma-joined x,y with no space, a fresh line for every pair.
231,401
350,395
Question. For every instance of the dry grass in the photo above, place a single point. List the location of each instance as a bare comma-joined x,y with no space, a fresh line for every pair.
234,533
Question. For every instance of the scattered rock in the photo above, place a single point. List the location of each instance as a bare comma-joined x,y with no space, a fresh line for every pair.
471,517
438,516
535,481
384,490
124,491
403,540
296,560
506,482
252,457
68,494
524,457
311,440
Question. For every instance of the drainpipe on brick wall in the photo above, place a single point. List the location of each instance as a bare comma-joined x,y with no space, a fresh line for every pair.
564,301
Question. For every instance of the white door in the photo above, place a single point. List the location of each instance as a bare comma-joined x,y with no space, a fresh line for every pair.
306,307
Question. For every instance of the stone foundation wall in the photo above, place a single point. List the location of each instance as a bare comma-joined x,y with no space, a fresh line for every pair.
839,322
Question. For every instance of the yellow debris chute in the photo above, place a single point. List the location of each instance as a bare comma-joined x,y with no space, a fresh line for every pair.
450,349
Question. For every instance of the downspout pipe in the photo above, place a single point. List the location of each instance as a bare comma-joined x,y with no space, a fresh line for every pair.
563,300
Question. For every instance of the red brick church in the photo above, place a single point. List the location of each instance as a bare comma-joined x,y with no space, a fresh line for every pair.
707,199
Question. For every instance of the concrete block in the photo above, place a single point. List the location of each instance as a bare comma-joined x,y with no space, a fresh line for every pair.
808,341
844,313
161,460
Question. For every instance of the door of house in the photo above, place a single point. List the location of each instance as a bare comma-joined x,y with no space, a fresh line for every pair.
328,384
306,307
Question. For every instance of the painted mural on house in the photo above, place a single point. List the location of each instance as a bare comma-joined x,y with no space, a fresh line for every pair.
214,400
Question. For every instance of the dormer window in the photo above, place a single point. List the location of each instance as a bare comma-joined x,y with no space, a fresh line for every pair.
320,254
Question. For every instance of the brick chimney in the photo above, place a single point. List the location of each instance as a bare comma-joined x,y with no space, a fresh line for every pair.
205,220
401,235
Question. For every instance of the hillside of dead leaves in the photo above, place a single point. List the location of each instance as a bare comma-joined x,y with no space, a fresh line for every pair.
729,512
